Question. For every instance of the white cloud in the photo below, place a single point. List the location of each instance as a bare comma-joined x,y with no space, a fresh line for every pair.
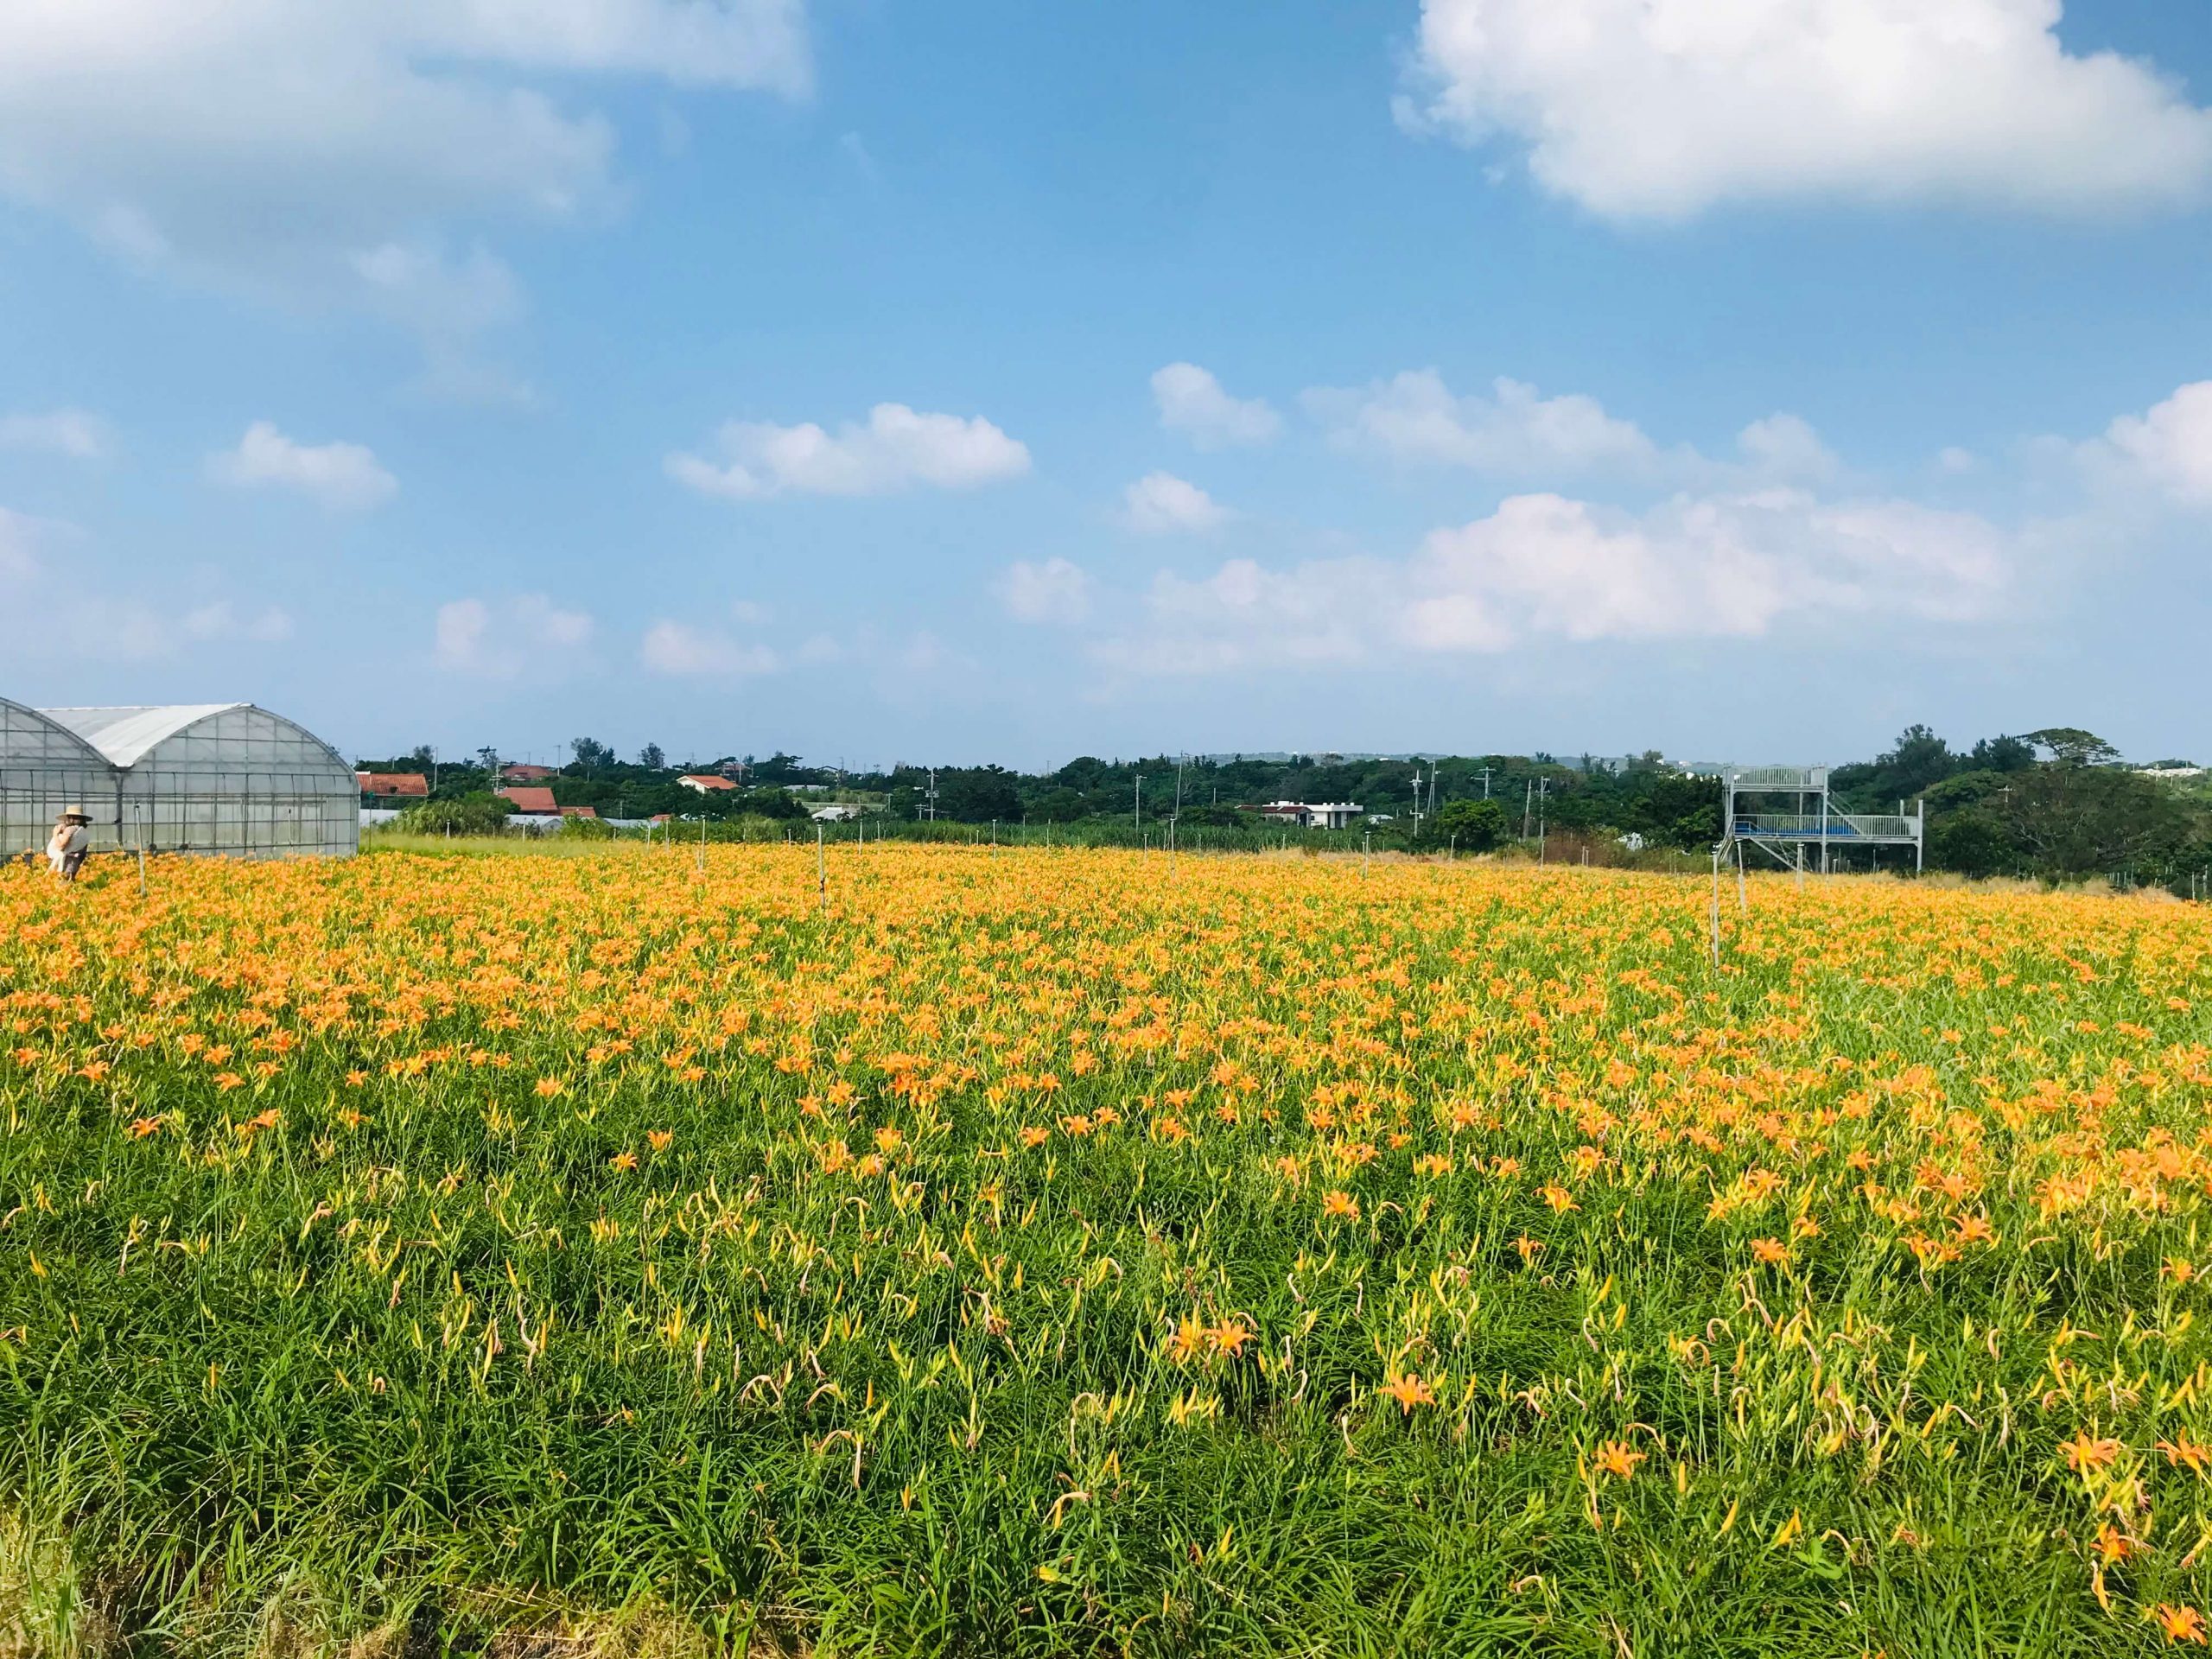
685,651
341,476
1546,567
220,619
1517,432
1414,416
855,149
897,450
1722,566
1193,402
1058,591
60,432
76,611
923,652
19,536
1659,108
527,634
2168,447
1786,445
1246,615
284,147
1160,503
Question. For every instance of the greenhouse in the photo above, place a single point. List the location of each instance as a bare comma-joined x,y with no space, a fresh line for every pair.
223,778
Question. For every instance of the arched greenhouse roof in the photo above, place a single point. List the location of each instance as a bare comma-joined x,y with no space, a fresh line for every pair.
126,735
18,720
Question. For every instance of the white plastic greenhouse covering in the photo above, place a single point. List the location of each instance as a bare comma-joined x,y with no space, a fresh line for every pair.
222,777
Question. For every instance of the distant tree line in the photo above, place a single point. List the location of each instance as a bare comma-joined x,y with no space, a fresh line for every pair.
2056,803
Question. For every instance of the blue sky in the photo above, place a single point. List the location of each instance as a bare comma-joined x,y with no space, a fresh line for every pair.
878,381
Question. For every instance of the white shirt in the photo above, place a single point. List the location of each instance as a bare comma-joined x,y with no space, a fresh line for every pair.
67,838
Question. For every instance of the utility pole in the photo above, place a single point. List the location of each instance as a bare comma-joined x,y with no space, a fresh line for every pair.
1527,802
1139,819
1485,783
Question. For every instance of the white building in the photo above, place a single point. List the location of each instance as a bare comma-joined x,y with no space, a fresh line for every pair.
1309,815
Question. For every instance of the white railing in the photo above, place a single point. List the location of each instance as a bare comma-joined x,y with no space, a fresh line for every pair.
1837,826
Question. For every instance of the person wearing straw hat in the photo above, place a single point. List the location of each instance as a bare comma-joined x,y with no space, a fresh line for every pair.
71,840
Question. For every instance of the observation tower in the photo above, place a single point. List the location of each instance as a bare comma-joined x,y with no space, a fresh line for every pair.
1782,811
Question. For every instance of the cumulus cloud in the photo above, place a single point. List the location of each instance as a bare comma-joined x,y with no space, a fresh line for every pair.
345,477
1246,615
895,450
1414,416
1514,432
1659,109
1057,591
1161,504
69,432
1192,402
528,633
1548,566
2168,447
287,148
687,650
1786,445
1727,566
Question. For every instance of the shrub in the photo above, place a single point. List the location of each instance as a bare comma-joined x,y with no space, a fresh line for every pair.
482,814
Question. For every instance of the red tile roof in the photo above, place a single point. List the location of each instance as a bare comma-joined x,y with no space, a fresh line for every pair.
527,799
518,772
413,785
579,811
705,781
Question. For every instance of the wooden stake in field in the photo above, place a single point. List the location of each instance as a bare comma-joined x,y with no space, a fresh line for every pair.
1717,850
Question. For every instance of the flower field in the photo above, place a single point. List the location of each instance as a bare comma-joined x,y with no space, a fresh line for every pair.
1068,1252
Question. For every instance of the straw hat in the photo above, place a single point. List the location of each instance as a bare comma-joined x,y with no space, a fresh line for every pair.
76,812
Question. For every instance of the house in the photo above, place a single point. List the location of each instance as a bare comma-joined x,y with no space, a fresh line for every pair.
517,771
395,785
704,783
1308,815
835,812
579,811
530,799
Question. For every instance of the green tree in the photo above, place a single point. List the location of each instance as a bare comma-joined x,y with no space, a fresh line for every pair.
2002,754
2077,818
1473,826
1972,843
2070,745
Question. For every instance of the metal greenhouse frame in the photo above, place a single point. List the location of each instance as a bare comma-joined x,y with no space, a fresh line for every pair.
226,779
